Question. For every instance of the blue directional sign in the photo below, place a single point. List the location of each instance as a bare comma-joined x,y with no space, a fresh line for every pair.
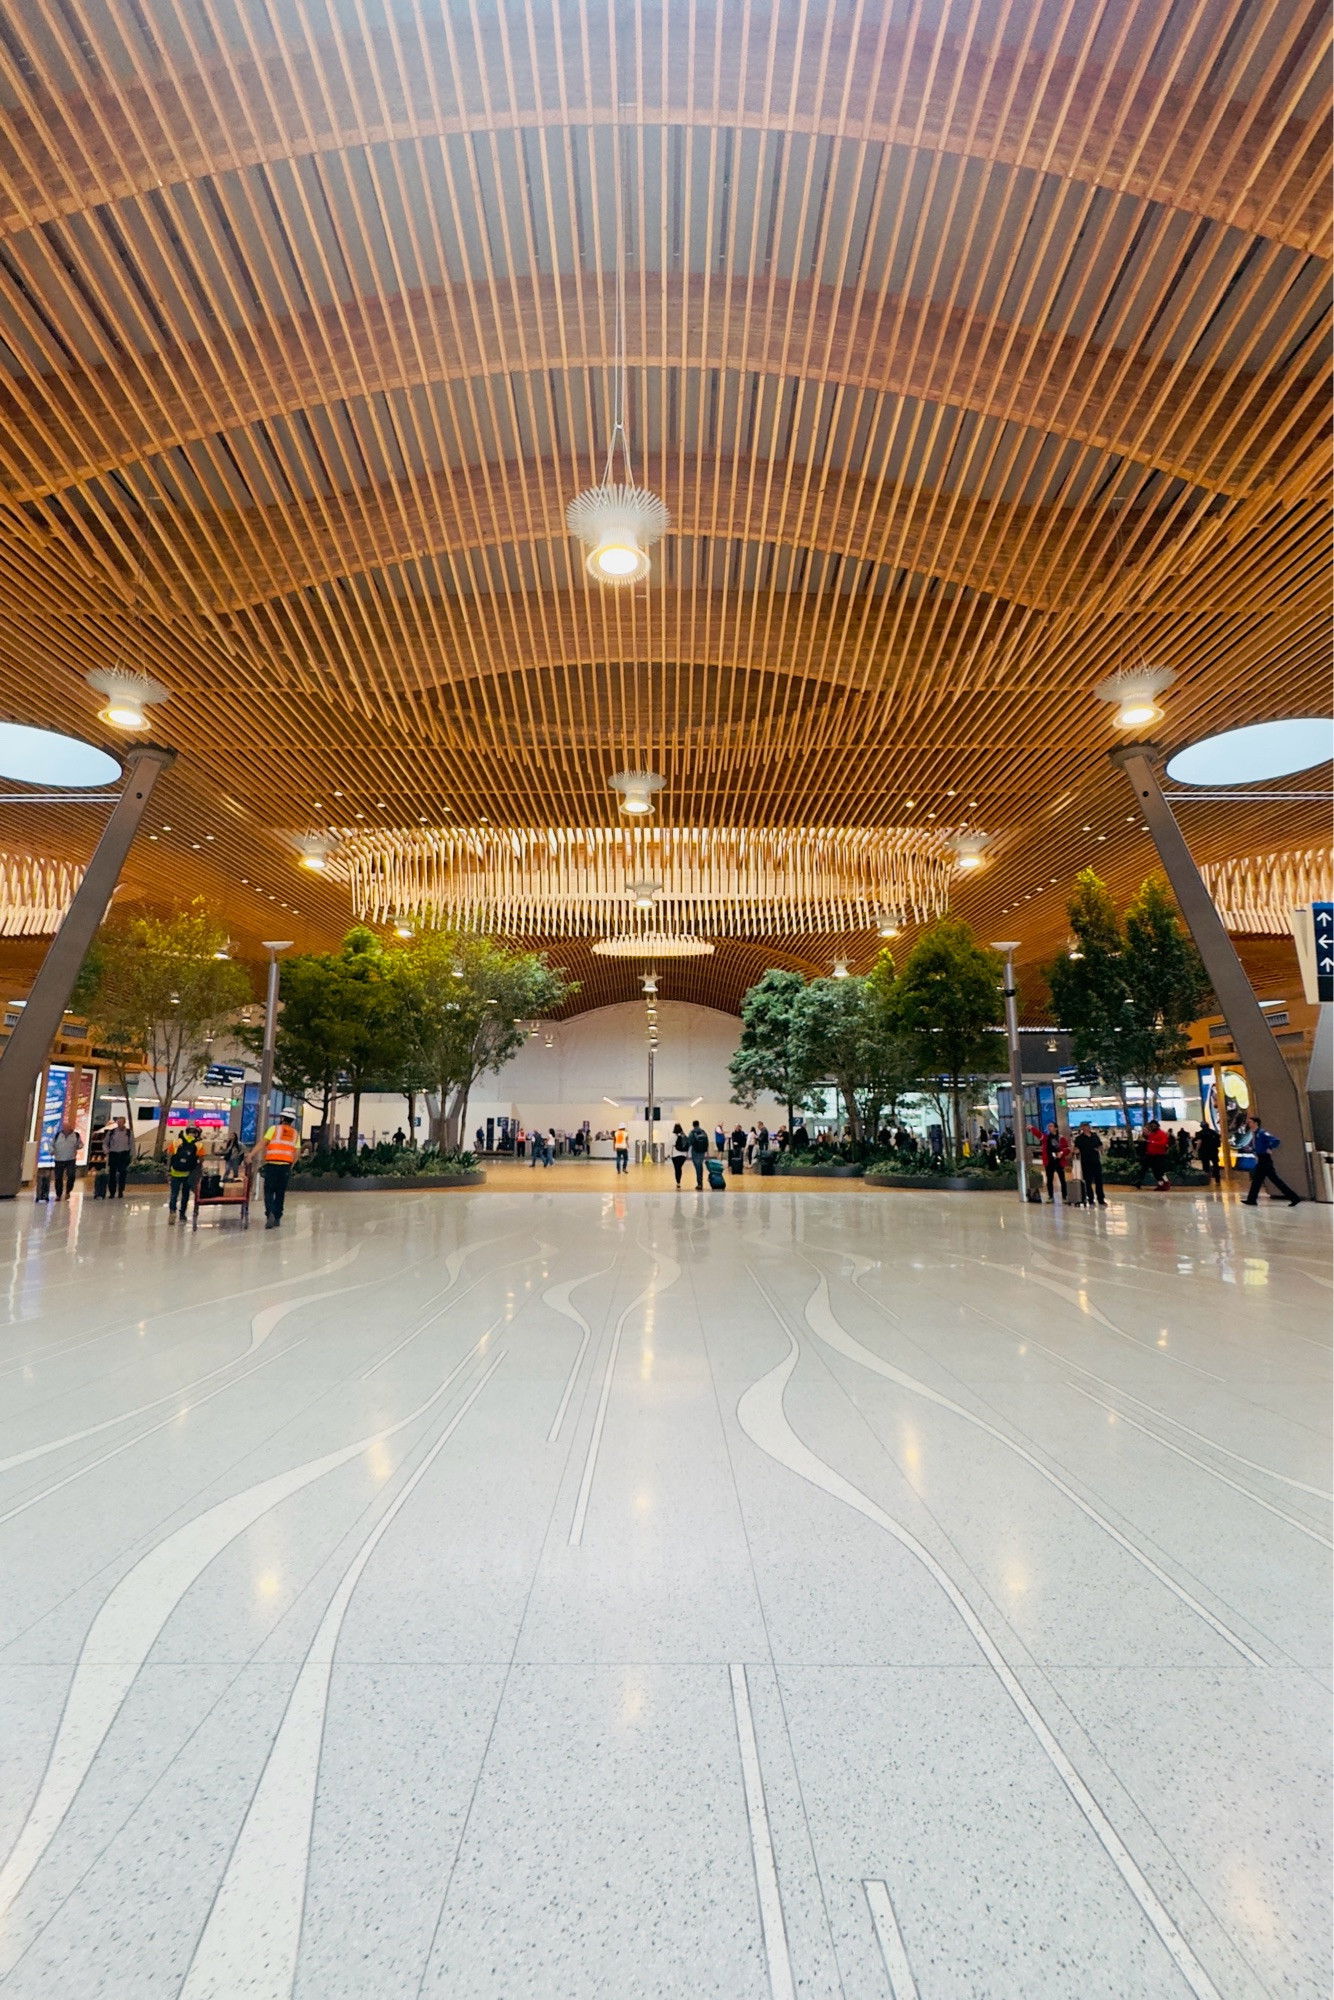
1322,922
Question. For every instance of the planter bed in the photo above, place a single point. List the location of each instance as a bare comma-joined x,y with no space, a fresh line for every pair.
822,1170
382,1183
944,1183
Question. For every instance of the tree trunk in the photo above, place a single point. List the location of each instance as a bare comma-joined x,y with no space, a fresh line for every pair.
356,1116
452,1122
411,1096
850,1106
324,1118
956,1107
435,1113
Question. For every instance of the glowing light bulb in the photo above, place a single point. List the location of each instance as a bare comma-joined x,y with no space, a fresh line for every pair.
123,715
616,560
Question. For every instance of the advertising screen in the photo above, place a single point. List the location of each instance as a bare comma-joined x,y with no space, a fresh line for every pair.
69,1094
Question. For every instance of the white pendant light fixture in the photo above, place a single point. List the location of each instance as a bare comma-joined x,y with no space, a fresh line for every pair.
618,521
644,895
970,851
638,790
889,923
314,850
128,696
1133,692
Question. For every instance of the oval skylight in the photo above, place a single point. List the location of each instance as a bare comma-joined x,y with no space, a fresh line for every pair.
44,757
1261,750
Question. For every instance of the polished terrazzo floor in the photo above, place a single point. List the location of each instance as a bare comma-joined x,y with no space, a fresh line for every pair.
619,1593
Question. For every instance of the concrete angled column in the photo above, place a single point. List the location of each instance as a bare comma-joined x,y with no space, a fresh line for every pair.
1274,1092
26,1050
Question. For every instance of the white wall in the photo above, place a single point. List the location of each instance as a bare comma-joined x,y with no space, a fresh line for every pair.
604,1054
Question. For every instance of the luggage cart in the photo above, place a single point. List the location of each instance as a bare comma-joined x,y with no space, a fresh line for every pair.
233,1196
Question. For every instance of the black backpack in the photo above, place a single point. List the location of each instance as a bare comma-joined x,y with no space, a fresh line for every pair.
186,1157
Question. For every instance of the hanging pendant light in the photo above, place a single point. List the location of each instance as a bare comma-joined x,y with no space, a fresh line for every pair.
129,696
1133,692
638,789
618,521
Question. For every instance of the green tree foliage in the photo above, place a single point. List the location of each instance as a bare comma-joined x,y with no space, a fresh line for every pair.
464,1002
156,992
1168,985
850,1030
1134,986
1089,990
766,1061
948,1003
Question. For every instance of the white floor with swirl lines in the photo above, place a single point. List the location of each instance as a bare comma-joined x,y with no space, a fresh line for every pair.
569,1593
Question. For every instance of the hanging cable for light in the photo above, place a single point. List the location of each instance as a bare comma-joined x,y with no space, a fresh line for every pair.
618,521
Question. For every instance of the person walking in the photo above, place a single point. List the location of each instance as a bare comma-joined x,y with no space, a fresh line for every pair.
621,1141
65,1150
1264,1146
719,1139
1153,1156
119,1149
277,1151
1089,1148
1055,1158
184,1159
680,1151
698,1140
1208,1147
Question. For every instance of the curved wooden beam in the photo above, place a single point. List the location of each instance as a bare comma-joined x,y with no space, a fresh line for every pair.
1048,112
1032,555
61,429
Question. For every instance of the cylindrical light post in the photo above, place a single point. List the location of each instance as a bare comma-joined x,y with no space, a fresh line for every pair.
272,946
1016,1069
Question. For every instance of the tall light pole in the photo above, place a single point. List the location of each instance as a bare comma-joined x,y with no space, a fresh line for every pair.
1016,1068
272,946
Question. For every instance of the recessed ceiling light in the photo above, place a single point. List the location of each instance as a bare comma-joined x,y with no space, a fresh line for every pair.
1260,750
45,757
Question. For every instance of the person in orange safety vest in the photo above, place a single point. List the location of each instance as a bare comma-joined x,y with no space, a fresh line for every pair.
279,1150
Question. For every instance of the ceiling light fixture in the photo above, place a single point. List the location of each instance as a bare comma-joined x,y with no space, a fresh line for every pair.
840,968
618,521
970,851
1133,692
638,790
644,894
889,923
128,696
314,851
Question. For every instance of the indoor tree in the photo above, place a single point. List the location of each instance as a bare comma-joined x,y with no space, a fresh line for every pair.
1168,987
767,1060
948,1002
1130,988
157,990
465,1004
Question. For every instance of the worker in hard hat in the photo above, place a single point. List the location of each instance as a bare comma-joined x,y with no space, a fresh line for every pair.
277,1152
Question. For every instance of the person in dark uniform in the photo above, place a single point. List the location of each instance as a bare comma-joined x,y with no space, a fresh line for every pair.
1208,1145
1089,1148
1264,1145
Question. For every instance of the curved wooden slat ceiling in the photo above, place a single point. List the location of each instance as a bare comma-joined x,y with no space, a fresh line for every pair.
976,348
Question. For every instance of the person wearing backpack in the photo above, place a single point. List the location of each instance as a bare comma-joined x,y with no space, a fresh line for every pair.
185,1159
680,1151
698,1140
1264,1146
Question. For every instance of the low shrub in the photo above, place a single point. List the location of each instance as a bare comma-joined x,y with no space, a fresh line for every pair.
386,1162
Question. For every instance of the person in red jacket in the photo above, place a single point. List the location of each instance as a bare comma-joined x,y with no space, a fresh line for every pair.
1153,1155
1055,1158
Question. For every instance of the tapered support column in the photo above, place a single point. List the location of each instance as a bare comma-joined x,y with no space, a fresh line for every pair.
1019,1124
1273,1088
27,1048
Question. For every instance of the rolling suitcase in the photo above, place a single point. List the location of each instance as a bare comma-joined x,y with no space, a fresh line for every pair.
716,1181
100,1185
